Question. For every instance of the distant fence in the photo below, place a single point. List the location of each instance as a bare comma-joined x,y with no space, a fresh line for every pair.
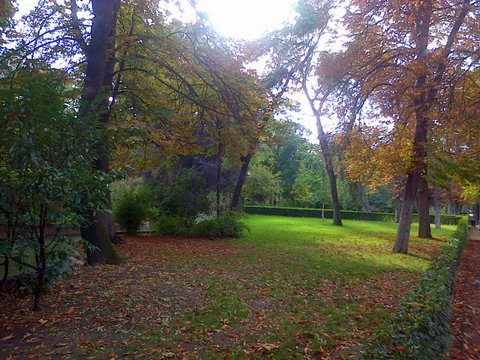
346,214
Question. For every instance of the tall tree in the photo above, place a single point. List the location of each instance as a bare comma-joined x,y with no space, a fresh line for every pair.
401,56
294,61
94,104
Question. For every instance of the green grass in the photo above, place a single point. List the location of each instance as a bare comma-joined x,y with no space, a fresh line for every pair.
292,288
313,288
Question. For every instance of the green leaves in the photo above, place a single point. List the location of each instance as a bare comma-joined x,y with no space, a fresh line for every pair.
420,328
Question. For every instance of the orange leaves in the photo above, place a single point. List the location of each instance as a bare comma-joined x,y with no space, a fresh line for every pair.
374,156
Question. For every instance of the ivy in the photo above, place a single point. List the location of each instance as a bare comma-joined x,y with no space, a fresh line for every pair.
420,328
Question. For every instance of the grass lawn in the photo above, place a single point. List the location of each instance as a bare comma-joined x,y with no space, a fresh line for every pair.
291,288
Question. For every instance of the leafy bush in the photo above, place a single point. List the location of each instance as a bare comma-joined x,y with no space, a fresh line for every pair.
168,224
47,181
225,226
420,328
346,214
185,195
131,204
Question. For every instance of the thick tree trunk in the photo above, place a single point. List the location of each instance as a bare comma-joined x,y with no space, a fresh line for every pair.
242,176
436,205
94,105
423,204
99,250
405,220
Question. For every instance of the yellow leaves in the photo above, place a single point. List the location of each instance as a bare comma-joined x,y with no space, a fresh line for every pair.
374,156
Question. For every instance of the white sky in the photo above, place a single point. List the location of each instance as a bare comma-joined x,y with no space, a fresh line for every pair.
247,19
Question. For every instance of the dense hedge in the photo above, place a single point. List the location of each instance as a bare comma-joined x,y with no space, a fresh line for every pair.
328,213
420,328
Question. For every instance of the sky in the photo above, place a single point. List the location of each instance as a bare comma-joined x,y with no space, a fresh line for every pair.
242,19
247,19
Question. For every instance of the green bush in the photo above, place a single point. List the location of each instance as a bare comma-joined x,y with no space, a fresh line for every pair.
226,226
420,328
185,195
346,214
131,203
168,224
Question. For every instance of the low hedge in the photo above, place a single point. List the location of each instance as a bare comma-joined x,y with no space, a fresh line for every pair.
420,328
346,214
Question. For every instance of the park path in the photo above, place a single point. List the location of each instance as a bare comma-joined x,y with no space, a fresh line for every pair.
465,320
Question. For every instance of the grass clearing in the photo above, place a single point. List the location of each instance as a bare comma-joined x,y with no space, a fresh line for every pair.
291,288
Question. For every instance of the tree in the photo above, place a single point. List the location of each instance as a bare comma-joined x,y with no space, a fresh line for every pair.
47,181
401,58
295,51
94,104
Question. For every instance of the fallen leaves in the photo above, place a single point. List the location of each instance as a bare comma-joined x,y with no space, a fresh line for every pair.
9,337
162,304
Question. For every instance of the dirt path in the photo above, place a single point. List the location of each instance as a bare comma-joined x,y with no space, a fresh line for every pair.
465,321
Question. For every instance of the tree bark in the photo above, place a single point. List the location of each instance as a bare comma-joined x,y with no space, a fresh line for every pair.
423,205
242,176
405,220
94,105
436,204
100,250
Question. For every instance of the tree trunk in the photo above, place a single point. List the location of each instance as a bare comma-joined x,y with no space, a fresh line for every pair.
362,196
436,204
94,105
242,176
99,251
405,220
450,204
476,212
418,166
41,266
5,265
398,209
327,156
423,204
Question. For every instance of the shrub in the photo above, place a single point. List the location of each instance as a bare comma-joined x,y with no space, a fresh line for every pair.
168,224
346,214
225,226
420,328
185,195
131,204
47,181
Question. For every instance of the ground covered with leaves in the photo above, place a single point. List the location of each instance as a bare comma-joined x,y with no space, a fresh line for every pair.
465,319
292,288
